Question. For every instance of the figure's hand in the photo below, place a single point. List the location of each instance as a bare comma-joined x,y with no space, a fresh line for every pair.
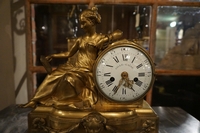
49,58
117,34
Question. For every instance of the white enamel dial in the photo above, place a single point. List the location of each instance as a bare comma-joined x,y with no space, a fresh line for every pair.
124,72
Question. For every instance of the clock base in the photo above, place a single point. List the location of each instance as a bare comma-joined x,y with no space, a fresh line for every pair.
106,105
50,119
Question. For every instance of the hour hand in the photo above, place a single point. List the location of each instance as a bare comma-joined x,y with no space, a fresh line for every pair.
129,84
131,88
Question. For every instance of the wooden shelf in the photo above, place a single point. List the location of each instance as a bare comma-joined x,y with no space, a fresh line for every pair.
177,72
40,69
135,2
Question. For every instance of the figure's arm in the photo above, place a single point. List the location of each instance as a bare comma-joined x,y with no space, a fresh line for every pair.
114,36
67,54
109,38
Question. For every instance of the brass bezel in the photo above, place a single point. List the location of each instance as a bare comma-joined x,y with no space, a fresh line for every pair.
122,43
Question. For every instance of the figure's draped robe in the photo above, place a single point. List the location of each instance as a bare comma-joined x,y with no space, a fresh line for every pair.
73,81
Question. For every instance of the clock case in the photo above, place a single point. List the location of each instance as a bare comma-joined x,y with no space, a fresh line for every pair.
105,117
109,103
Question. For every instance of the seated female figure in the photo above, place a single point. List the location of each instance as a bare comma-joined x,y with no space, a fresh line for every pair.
72,84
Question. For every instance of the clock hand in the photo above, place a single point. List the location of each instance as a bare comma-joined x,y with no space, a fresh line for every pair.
131,82
117,87
128,83
132,88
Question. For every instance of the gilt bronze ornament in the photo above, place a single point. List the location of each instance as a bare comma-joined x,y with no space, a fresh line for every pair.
102,91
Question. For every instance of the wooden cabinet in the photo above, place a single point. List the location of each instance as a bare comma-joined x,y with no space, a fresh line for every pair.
174,49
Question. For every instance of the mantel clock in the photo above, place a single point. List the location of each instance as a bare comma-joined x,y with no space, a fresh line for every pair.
102,91
123,74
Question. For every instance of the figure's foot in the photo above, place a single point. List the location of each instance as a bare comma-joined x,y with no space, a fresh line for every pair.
30,104
65,102
83,105
87,104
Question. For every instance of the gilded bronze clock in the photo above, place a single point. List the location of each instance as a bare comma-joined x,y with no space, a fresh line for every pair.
124,72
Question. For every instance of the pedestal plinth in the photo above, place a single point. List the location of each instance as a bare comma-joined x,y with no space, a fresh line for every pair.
68,120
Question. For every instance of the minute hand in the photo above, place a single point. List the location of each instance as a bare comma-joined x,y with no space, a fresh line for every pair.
117,88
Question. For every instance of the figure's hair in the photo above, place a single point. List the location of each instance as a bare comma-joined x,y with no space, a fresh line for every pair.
92,14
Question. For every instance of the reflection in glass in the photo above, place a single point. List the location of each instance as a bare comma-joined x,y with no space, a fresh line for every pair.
177,43
57,25
181,0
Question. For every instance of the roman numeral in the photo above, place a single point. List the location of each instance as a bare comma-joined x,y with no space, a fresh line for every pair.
123,91
124,57
109,66
116,59
98,73
102,86
140,65
145,86
146,61
149,74
107,74
141,74
133,60
109,83
115,89
124,49
139,83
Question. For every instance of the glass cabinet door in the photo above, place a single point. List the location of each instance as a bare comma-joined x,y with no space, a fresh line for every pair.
57,26
168,29
177,38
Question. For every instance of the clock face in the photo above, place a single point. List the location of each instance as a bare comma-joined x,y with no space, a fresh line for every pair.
123,72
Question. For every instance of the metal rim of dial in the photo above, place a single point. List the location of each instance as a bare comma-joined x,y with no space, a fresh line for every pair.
137,84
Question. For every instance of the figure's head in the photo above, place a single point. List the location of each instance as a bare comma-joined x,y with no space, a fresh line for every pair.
89,17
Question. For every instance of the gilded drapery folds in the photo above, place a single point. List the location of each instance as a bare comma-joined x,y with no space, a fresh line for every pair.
71,84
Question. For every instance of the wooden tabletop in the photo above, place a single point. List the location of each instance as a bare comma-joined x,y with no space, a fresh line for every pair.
176,120
171,120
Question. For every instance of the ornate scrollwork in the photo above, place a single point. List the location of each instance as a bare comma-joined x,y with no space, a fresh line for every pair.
94,122
38,123
18,20
19,23
148,126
